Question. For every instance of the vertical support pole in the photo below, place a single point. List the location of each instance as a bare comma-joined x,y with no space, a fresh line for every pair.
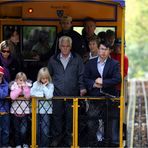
33,137
122,84
75,124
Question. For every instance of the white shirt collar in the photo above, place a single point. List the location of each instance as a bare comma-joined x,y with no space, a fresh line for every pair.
92,57
103,61
62,57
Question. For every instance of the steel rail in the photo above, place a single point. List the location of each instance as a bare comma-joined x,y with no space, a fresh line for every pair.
131,114
146,105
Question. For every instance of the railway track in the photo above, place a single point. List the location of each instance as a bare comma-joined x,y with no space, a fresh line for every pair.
137,114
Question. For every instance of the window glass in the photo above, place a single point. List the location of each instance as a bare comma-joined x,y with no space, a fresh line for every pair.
98,29
37,35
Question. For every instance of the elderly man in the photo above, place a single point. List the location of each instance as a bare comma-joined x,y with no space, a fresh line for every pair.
77,43
66,70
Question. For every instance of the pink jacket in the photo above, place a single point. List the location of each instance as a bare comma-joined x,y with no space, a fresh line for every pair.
20,106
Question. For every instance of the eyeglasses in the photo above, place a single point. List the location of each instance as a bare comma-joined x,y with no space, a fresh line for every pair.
4,51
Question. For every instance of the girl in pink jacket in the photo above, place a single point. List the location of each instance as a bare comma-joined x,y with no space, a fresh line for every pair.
20,108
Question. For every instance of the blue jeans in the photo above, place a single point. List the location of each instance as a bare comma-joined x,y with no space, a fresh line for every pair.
4,130
20,126
43,132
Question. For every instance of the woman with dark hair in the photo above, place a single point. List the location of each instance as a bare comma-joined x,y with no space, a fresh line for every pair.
7,60
12,34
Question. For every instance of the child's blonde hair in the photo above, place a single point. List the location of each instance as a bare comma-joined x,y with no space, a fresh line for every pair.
43,72
21,75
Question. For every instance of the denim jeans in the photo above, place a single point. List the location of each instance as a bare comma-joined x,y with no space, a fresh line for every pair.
20,126
4,130
43,132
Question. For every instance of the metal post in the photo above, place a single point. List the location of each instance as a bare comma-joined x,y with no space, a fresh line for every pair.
33,137
122,84
75,124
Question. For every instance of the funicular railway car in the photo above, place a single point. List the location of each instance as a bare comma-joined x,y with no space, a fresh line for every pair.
31,18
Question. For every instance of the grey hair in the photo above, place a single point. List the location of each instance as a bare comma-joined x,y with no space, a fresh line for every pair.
65,38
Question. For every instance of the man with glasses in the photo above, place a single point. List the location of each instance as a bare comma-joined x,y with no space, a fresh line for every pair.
101,76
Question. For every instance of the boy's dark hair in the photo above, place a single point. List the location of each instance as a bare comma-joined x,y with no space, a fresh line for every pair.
96,39
102,35
110,33
87,19
105,43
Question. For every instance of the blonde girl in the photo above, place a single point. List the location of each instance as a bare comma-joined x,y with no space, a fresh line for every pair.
43,87
20,108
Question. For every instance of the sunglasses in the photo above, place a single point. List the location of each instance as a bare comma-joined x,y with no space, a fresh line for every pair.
4,51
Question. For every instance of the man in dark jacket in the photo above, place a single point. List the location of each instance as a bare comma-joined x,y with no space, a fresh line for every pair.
77,43
66,69
101,76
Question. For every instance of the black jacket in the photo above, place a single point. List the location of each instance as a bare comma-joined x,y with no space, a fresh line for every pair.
111,77
67,82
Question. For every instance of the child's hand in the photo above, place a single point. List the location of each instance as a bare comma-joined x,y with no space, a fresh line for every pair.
46,83
20,85
23,84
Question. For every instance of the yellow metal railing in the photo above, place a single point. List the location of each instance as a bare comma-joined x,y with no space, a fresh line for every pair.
75,107
33,136
122,99
75,123
75,119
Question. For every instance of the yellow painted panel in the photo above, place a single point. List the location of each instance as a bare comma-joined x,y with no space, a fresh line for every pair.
10,11
77,10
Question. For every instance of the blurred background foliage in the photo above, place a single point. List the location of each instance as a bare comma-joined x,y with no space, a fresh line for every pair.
136,21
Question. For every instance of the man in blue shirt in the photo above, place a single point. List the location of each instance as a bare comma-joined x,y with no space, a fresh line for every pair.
101,76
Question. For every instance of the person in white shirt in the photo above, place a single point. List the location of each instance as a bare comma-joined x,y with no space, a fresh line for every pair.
43,87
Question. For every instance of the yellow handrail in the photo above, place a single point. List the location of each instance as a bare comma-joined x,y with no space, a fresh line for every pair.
75,117
122,84
75,123
34,104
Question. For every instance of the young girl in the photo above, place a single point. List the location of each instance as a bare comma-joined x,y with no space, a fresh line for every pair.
43,87
20,108
4,111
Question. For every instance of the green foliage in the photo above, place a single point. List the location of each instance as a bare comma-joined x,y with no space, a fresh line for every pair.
136,37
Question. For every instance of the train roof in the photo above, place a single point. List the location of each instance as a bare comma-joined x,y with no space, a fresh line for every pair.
121,2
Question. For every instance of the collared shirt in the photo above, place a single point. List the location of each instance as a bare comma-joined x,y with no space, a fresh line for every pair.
100,66
64,60
92,57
